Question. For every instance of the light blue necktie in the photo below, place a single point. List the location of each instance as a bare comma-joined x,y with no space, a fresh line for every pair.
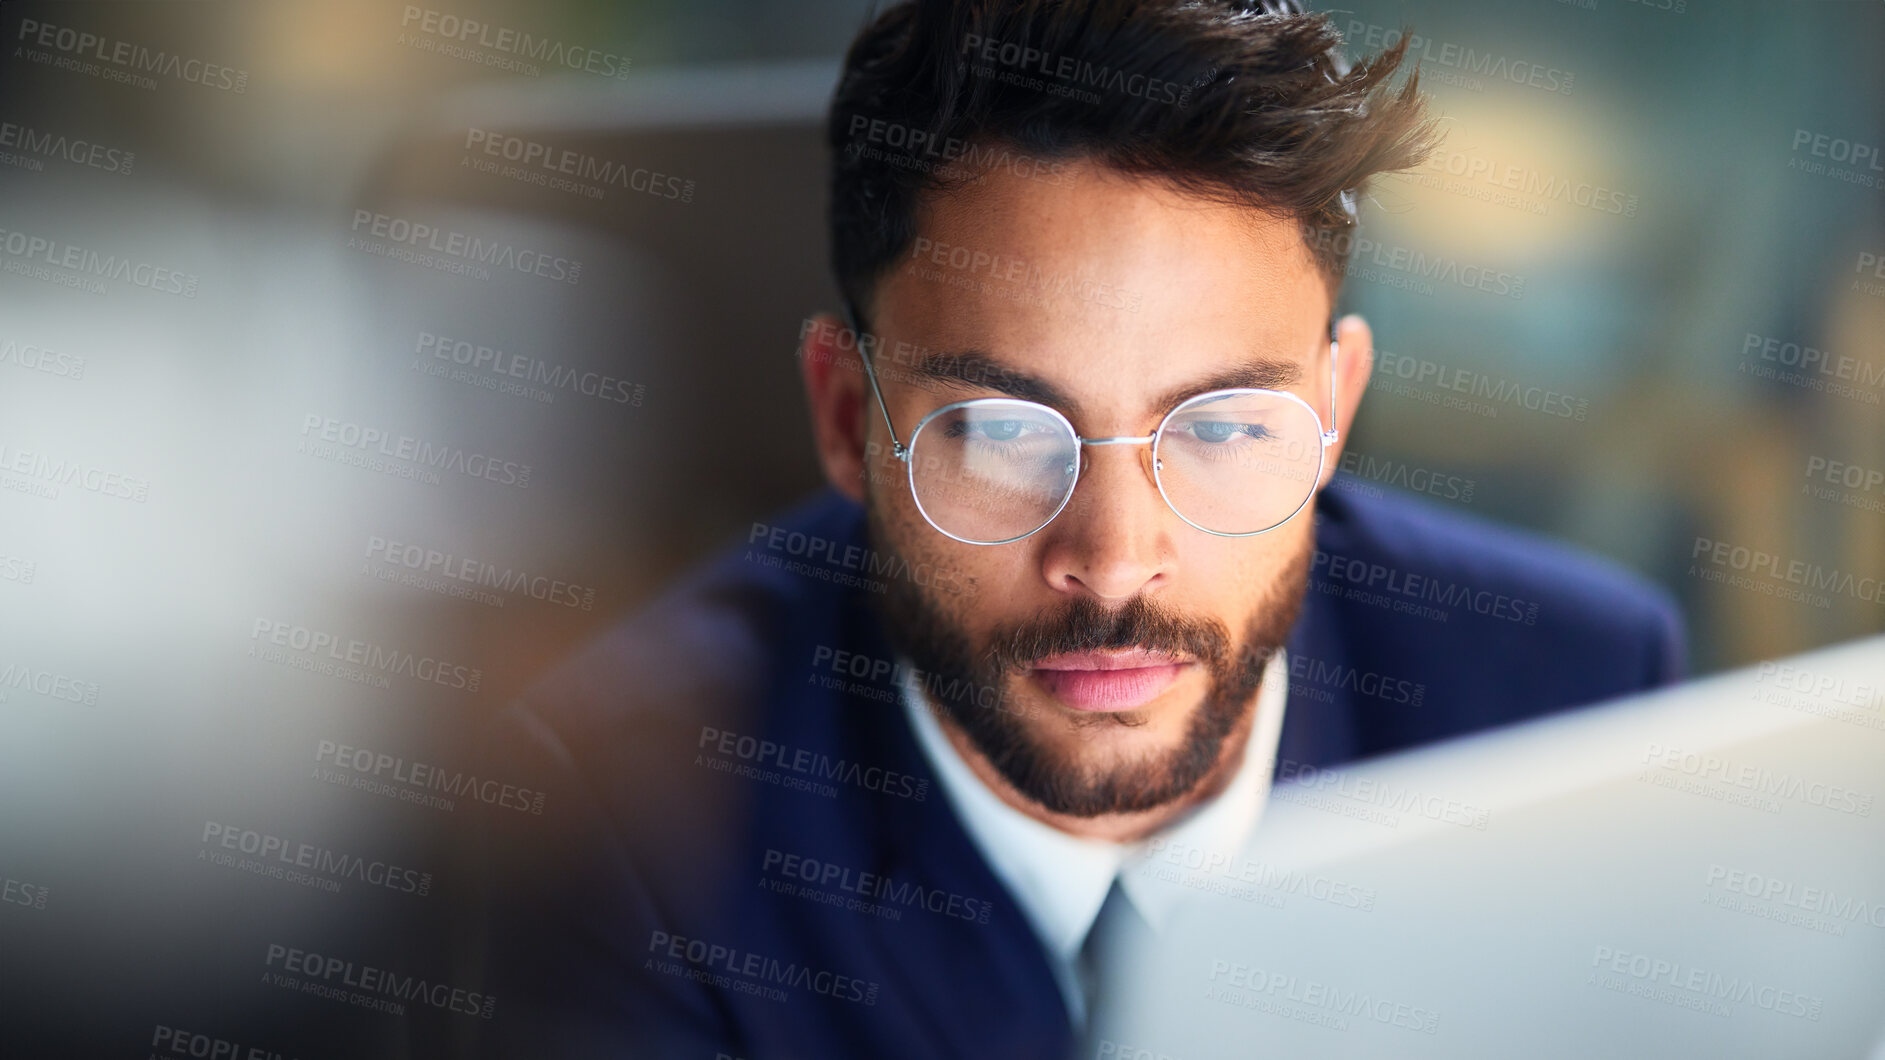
1116,931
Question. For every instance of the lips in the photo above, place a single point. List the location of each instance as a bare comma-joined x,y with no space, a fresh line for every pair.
1108,680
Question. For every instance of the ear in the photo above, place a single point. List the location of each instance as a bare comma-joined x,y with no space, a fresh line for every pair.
837,394
1354,365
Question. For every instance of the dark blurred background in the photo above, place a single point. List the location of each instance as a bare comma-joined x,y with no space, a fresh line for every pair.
1635,302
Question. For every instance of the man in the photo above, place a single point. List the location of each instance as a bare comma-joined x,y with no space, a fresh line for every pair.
865,786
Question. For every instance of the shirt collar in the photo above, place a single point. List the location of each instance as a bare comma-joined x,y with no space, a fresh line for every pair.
1060,880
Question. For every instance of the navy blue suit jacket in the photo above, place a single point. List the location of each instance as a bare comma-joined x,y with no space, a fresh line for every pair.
742,852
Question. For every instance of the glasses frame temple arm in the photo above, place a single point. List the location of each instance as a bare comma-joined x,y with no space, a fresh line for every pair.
1332,433
897,448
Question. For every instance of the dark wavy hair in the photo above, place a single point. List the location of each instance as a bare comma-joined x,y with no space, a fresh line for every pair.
1247,102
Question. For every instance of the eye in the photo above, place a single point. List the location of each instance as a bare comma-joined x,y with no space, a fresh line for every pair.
1219,431
993,430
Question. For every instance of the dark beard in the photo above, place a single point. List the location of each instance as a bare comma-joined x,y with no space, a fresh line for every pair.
918,627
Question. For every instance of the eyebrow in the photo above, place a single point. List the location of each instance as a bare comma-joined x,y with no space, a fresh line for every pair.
1256,374
976,369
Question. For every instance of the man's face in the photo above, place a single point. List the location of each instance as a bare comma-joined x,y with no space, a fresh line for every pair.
1126,644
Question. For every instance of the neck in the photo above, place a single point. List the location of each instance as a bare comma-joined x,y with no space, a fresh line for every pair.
1112,827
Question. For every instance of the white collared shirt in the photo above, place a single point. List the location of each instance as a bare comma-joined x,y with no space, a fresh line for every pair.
1060,880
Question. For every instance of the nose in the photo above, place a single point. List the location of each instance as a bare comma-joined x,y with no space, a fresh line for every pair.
1114,540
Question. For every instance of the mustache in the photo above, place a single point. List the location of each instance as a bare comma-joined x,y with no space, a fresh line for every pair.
1085,625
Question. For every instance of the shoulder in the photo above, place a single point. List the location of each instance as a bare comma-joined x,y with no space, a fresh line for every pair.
1396,532
636,750
1503,623
713,636
702,659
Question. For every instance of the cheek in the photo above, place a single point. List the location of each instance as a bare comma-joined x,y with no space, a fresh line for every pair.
905,534
1239,572
884,475
978,587
888,492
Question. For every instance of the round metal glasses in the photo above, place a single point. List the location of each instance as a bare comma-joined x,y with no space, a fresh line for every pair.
1234,463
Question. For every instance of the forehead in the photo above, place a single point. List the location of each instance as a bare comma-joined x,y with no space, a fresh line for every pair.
1111,286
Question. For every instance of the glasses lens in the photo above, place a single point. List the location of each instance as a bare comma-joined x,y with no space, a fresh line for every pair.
1239,462
993,470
